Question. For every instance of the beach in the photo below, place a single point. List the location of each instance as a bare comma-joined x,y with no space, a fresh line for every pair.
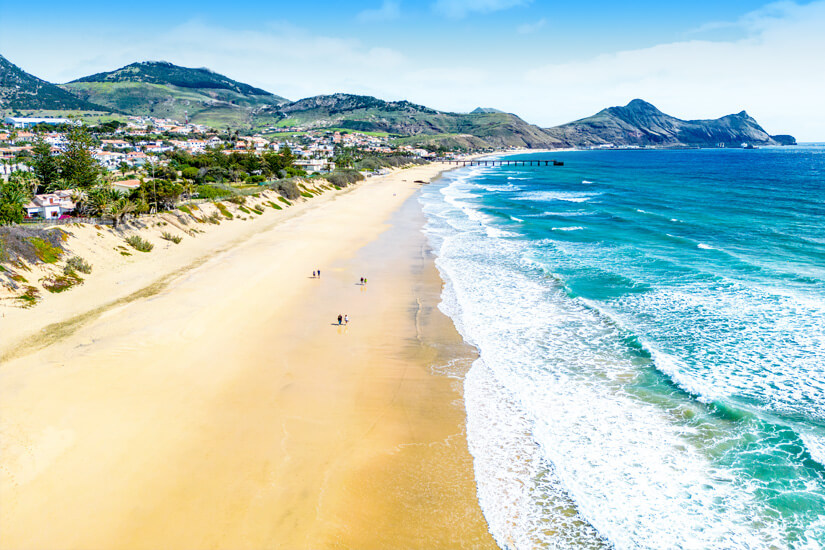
212,400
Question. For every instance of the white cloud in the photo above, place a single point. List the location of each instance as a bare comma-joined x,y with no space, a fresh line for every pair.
776,72
775,69
461,8
389,10
530,28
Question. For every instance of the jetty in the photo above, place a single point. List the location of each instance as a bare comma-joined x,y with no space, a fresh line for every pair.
514,162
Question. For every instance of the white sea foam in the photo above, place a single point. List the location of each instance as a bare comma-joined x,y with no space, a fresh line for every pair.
573,228
552,375
704,246
547,196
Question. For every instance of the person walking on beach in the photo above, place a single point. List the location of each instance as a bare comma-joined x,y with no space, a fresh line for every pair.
319,273
313,274
339,318
346,319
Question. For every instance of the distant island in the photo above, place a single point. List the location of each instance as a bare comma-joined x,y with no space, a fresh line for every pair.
164,90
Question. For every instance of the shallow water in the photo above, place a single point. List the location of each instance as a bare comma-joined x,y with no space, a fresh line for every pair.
652,335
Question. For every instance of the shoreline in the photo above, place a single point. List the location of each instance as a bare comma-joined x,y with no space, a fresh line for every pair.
224,410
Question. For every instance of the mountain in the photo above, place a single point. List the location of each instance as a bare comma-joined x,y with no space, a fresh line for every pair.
420,124
641,124
161,89
21,91
479,110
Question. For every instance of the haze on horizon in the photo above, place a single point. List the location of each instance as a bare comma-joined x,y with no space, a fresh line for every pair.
548,62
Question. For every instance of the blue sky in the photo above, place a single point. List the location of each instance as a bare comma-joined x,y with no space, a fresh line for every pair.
549,62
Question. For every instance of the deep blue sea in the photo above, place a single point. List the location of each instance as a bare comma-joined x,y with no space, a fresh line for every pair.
651,329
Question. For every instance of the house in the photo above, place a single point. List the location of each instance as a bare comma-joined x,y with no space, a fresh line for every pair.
108,159
126,186
116,143
136,158
315,165
51,206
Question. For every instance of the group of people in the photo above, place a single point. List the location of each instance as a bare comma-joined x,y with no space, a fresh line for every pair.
342,319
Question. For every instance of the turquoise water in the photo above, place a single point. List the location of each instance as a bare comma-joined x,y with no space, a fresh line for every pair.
651,328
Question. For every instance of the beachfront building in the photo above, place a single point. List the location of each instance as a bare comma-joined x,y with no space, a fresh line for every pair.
51,206
315,165
126,186
28,122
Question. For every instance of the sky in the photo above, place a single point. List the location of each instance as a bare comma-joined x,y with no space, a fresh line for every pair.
549,62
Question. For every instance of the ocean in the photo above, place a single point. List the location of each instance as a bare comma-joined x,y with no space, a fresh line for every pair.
651,330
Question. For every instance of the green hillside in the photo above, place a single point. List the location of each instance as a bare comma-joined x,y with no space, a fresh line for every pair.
20,91
420,124
165,90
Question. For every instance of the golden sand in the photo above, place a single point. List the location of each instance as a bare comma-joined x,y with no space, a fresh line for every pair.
225,410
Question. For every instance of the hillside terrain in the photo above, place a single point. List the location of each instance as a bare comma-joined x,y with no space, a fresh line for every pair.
164,90
641,124
20,91
421,124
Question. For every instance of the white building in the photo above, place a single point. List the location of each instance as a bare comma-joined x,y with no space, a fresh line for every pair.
28,122
315,165
50,206
126,186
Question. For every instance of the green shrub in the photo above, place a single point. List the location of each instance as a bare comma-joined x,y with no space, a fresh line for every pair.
212,192
342,178
237,199
185,209
29,296
76,263
214,218
139,244
307,195
283,200
59,283
286,188
273,205
46,252
243,209
224,210
166,236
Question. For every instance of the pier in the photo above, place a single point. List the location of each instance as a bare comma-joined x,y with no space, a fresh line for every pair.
519,162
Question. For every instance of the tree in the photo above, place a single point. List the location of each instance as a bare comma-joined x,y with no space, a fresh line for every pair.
44,165
78,166
189,173
118,209
25,181
13,197
162,193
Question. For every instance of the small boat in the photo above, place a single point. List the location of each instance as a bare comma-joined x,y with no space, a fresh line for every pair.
558,163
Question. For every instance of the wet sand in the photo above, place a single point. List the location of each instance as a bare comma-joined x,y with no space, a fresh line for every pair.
227,411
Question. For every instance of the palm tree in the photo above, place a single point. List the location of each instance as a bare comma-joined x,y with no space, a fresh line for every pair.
118,209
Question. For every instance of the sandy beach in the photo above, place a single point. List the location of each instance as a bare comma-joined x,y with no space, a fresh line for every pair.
211,400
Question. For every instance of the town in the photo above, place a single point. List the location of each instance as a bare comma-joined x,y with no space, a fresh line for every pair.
186,160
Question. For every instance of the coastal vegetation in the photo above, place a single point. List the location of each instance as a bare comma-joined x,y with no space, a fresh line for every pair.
77,263
140,244
166,236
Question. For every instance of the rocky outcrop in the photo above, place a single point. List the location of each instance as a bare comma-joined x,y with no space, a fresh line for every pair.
641,124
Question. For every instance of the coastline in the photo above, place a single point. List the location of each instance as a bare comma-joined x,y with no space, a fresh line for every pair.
223,410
